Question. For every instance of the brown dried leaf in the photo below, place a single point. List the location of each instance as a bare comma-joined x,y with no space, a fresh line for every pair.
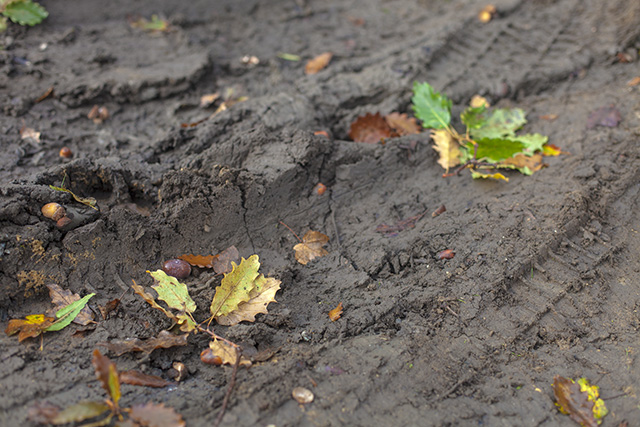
156,415
448,148
108,308
29,133
42,413
227,353
336,312
401,124
107,374
311,247
572,401
138,378
220,263
62,298
393,230
29,327
318,63
370,128
534,163
165,339
634,81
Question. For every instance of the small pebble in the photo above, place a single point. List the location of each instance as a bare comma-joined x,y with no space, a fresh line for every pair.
302,395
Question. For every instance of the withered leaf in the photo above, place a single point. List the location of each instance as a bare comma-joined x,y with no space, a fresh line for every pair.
29,327
608,116
62,298
79,412
221,263
370,128
525,164
107,374
311,247
318,63
401,124
336,312
447,147
227,353
263,294
393,230
634,81
109,307
207,100
165,339
156,415
138,378
571,400
29,133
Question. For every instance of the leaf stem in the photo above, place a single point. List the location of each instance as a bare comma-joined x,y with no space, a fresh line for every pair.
289,228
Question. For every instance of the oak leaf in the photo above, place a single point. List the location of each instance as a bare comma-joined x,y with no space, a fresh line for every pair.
525,164
165,339
79,412
401,124
336,313
156,415
227,353
186,324
370,128
447,147
311,247
62,298
318,63
175,295
263,294
29,327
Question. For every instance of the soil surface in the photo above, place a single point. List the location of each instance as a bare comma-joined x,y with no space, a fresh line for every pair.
546,274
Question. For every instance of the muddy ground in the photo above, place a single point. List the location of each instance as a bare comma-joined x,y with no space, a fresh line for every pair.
546,271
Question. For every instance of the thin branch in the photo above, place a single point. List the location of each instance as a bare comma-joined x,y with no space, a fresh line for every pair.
289,228
232,383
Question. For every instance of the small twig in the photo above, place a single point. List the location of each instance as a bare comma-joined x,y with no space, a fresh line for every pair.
450,310
232,383
335,226
294,233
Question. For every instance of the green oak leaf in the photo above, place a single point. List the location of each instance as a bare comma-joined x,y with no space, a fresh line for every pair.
503,122
171,291
66,314
25,12
432,108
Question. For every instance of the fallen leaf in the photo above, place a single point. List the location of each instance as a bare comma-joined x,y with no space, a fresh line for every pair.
227,353
263,294
477,175
88,201
431,107
605,116
68,313
551,150
108,308
311,247
401,124
478,101
144,380
525,164
155,25
42,412
579,400
79,412
176,296
156,415
98,114
501,123
550,117
165,339
336,312
320,189
29,133
107,374
634,81
446,254
29,327
221,263
61,298
370,128
393,230
318,63
207,100
442,209
447,147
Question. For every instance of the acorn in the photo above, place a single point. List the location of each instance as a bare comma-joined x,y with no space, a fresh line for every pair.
177,268
209,358
53,211
65,152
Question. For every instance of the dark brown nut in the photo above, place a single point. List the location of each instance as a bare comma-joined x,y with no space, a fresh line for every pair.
53,211
66,152
65,220
209,358
177,268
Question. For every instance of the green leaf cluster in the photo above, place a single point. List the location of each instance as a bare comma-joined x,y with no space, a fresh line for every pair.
490,140
22,12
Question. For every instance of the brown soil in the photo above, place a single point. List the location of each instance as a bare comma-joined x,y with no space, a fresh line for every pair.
546,270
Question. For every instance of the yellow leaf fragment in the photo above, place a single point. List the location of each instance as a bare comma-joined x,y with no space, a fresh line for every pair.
311,247
475,175
478,101
336,313
29,133
259,298
227,353
447,147
318,63
29,327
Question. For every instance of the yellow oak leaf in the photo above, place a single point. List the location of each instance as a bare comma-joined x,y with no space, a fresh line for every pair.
447,147
263,293
235,288
499,176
